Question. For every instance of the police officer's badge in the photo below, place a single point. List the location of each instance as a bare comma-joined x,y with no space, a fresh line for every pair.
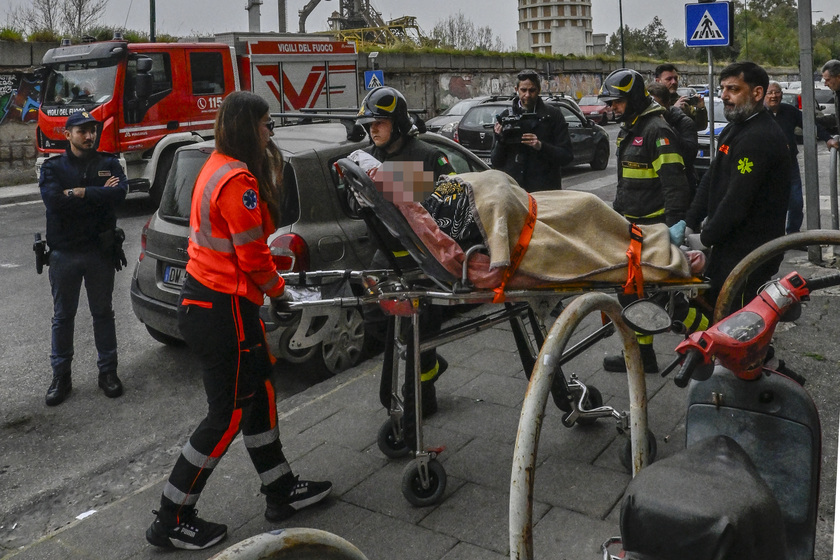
249,199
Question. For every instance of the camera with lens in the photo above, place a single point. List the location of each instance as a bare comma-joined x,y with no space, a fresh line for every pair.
514,126
693,100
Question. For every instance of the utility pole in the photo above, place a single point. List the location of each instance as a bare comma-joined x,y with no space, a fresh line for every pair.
621,24
151,21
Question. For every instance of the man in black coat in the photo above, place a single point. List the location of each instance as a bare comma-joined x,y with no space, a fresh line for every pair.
788,118
744,195
536,158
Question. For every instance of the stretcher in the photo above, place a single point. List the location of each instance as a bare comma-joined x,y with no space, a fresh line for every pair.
417,280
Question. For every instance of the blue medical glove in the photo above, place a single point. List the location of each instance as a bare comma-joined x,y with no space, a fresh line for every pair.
677,232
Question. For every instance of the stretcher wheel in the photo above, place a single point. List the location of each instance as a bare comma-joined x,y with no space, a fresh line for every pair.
594,399
389,444
626,453
413,490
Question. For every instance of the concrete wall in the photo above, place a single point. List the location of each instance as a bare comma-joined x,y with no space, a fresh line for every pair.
437,81
19,92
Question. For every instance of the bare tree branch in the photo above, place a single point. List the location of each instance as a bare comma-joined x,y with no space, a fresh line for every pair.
81,15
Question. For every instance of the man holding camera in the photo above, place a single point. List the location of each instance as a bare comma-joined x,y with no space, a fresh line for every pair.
534,145
693,106
81,188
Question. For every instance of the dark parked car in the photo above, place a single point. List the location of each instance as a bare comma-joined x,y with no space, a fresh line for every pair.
596,109
447,122
590,142
319,232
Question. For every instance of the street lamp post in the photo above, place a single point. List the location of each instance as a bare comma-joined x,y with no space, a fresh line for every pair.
152,21
621,25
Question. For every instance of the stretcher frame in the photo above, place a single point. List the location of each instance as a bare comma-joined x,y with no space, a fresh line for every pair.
405,291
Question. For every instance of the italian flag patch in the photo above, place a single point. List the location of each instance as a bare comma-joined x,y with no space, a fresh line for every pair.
663,142
442,161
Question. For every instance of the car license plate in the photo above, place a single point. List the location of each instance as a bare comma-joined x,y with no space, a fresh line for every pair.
174,275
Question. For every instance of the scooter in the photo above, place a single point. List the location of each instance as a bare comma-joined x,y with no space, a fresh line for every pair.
747,484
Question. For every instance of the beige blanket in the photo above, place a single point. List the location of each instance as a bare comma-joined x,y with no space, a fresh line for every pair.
577,237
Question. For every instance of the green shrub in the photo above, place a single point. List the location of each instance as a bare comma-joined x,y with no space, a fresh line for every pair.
10,34
44,36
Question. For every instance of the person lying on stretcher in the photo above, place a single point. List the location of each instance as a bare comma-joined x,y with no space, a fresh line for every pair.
575,238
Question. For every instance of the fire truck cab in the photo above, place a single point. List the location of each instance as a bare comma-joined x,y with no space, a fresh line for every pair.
152,98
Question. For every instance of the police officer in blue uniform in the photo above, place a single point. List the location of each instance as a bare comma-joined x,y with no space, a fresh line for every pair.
81,189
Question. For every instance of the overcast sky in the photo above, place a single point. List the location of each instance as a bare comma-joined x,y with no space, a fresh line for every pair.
185,17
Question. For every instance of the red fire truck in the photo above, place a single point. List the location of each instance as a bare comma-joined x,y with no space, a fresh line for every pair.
155,97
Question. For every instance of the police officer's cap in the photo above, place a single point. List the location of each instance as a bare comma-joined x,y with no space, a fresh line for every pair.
80,118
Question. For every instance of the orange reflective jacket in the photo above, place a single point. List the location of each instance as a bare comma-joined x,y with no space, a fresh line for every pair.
229,226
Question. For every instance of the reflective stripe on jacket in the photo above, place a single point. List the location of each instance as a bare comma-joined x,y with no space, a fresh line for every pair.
229,226
651,176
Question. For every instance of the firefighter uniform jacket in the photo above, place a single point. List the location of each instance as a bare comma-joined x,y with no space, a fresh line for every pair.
414,149
74,224
536,170
744,195
652,186
229,226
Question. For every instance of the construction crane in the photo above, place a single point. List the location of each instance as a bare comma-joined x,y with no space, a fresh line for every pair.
357,20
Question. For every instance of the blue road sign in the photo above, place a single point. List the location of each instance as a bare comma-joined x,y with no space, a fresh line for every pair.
708,24
374,79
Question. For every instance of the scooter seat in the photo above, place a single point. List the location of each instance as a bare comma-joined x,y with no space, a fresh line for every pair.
706,502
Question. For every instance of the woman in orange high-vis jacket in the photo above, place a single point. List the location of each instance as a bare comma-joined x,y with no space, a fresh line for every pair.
234,207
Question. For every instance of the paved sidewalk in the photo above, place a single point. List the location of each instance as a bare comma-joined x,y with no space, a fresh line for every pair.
19,193
329,431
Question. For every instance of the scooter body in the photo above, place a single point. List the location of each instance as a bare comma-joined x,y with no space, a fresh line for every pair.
775,421
747,427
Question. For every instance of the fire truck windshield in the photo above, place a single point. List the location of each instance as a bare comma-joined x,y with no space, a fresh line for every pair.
89,83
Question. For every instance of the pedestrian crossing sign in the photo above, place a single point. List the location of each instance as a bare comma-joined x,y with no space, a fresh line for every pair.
708,24
374,79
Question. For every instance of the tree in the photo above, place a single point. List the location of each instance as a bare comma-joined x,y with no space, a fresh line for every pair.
80,15
826,41
73,17
655,39
39,15
457,32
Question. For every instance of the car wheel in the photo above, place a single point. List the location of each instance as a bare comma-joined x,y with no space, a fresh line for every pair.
601,158
164,338
345,349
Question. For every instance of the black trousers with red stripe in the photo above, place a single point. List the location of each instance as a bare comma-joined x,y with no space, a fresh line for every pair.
225,333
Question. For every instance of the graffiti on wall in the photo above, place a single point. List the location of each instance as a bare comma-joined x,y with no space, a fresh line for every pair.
18,98
454,87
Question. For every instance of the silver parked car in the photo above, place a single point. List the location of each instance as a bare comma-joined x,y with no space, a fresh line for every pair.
319,231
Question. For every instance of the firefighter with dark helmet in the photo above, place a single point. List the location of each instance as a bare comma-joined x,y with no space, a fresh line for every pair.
652,187
384,114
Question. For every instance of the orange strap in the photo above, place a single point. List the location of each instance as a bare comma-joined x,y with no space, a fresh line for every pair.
519,251
635,281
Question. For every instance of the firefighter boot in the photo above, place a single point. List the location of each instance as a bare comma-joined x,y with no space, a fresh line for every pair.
427,382
616,362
